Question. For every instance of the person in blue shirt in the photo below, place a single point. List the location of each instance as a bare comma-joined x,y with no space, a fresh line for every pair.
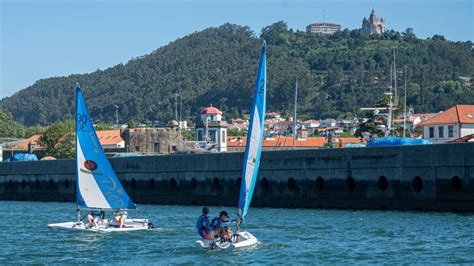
219,226
203,226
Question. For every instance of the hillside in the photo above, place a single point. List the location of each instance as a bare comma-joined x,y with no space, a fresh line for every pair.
337,75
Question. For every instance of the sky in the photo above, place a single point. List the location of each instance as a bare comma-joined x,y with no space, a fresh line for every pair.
53,38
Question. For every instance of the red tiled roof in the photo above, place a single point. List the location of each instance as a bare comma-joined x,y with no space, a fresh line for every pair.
106,137
458,114
468,138
210,110
350,140
109,137
23,145
281,141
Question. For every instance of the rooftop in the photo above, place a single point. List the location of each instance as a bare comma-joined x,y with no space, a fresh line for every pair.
109,137
281,141
458,114
210,110
319,24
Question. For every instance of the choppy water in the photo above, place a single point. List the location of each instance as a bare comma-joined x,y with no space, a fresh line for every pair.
285,235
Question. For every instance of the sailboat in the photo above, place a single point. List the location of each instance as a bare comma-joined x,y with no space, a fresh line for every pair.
97,187
251,163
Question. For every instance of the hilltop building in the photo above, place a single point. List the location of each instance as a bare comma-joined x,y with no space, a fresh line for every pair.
454,123
211,130
373,25
323,28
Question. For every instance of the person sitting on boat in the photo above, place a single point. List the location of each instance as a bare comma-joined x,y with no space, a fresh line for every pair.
204,230
93,218
120,217
218,223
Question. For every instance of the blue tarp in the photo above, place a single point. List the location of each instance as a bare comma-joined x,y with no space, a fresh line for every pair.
354,145
23,157
396,141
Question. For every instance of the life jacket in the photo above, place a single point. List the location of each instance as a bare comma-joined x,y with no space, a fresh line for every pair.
201,227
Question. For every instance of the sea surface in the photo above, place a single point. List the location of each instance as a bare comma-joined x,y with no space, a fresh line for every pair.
286,236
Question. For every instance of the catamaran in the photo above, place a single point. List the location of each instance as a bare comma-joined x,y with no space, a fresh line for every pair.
98,188
251,163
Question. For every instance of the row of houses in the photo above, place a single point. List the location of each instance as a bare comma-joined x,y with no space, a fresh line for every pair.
451,125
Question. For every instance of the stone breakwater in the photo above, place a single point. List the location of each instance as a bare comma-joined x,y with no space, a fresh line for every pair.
425,177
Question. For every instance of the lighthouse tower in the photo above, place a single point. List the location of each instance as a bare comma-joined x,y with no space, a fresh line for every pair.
211,130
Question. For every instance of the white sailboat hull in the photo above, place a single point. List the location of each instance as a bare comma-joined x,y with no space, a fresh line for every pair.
104,226
240,240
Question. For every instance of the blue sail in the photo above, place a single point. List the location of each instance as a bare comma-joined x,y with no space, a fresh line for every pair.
97,185
254,138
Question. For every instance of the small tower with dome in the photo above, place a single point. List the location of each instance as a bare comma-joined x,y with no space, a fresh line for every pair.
211,131
373,25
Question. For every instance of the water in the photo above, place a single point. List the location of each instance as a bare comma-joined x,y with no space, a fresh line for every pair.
286,236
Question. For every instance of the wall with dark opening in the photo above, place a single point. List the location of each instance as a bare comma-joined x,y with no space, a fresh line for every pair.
428,177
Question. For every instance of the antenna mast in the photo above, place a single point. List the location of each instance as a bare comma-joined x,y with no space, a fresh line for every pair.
405,107
294,120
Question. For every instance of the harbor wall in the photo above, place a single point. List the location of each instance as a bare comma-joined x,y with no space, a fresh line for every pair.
425,177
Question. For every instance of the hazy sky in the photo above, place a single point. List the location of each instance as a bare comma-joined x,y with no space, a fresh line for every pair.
42,39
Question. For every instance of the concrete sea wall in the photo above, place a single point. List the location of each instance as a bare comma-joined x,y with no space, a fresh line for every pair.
426,177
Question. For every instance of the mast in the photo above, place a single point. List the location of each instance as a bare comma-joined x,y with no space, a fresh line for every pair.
294,120
405,107
75,141
395,77
390,114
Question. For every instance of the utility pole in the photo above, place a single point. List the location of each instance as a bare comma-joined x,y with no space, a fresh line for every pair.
294,119
180,110
176,106
116,116
390,114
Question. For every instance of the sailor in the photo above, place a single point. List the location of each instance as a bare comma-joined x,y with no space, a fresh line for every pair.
218,221
204,230
93,218
120,217
219,226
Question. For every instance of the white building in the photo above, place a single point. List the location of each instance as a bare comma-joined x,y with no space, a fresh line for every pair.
323,28
211,129
454,123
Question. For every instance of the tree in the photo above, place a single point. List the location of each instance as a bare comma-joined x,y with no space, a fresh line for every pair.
188,135
236,132
132,124
8,127
336,74
102,126
59,140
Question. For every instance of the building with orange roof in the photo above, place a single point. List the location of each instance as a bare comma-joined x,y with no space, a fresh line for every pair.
454,123
110,139
237,144
24,144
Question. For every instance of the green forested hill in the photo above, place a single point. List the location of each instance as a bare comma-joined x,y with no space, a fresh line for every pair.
337,75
